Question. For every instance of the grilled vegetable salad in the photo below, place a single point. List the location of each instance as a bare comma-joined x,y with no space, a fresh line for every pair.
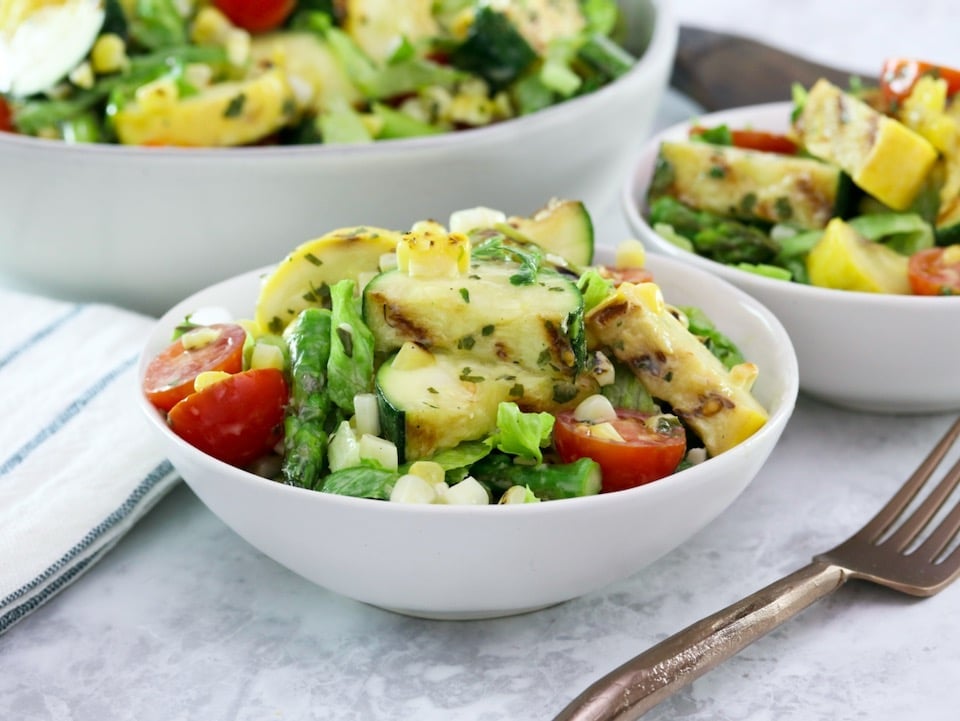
482,362
861,193
241,72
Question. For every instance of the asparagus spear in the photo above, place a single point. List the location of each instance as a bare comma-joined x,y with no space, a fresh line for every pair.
305,439
350,366
723,239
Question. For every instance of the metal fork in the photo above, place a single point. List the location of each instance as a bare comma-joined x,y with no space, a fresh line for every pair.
899,548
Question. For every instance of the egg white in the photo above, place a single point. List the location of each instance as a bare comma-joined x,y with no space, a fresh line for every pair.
45,41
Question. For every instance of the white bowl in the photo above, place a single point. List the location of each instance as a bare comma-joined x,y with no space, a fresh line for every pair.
144,227
863,351
487,561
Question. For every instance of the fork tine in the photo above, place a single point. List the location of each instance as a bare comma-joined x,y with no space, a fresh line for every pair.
914,525
942,536
887,515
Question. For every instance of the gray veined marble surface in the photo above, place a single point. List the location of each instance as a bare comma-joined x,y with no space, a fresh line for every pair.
185,621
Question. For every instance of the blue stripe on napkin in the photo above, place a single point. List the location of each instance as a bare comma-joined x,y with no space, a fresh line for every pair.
70,412
68,568
60,361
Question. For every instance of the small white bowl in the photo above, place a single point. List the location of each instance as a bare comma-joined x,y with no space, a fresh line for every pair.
863,351
485,561
144,227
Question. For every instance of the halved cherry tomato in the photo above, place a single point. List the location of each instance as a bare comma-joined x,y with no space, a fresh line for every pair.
899,75
625,275
6,118
256,16
935,271
169,377
645,454
238,419
762,140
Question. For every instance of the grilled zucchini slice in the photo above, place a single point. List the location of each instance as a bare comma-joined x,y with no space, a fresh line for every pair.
562,227
881,154
430,401
303,278
749,184
636,326
535,326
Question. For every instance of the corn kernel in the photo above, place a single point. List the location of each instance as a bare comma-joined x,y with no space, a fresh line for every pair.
208,378
471,110
210,27
199,75
412,489
463,221
199,338
468,492
595,409
109,54
237,45
266,355
518,494
431,254
603,369
630,254
82,76
428,227
158,94
429,471
605,431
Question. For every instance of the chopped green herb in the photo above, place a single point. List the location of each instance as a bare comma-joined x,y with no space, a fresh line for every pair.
235,106
465,375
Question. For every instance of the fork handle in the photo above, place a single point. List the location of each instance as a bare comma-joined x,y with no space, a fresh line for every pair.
640,684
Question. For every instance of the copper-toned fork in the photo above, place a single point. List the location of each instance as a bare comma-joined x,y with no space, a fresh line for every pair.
908,546
721,70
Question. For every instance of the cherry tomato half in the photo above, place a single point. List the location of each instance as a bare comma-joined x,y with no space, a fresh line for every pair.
899,75
935,271
645,454
6,118
169,377
256,16
762,140
238,419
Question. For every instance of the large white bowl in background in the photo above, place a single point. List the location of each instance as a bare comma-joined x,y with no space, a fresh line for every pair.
144,227
863,351
476,562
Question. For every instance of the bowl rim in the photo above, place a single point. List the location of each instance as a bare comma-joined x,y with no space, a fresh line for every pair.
781,408
662,43
632,197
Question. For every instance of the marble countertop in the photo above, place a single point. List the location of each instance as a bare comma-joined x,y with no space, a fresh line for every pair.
184,621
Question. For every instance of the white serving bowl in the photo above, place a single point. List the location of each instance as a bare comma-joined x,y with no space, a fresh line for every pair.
144,227
486,561
863,351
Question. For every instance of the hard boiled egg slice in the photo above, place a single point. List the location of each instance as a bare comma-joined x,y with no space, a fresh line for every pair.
41,41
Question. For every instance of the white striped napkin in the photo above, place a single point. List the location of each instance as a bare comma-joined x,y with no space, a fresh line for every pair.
77,465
